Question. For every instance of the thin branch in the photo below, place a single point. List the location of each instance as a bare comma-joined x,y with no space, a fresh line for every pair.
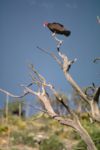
44,50
35,81
59,42
12,95
39,76
60,98
65,63
37,108
51,54
30,84
28,90
96,59
15,96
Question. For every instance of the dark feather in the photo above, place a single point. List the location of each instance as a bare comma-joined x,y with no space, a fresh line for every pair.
58,28
58,24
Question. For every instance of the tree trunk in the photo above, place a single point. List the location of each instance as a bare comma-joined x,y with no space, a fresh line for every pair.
75,86
85,136
95,111
76,125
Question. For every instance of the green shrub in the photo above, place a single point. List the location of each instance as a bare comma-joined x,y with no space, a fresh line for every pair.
74,135
53,143
3,129
22,138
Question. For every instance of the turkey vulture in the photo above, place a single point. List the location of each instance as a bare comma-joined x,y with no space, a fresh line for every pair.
57,28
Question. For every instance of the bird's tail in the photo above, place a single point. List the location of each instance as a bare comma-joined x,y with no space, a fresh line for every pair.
67,32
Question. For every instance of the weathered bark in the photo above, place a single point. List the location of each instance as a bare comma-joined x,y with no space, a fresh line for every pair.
45,100
75,86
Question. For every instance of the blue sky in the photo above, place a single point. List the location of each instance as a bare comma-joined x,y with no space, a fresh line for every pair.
21,31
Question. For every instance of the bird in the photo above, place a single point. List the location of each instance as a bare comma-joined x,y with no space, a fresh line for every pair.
57,28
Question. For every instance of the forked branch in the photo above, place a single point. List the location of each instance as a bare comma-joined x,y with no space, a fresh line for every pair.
65,64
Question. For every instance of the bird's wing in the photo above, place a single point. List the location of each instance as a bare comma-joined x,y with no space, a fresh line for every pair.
56,27
55,23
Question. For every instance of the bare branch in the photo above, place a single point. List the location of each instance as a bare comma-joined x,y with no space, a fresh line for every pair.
12,95
15,96
76,87
28,90
65,64
40,77
96,59
59,42
68,109
59,98
65,61
35,107
52,55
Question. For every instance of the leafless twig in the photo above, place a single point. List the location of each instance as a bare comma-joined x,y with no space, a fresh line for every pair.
96,59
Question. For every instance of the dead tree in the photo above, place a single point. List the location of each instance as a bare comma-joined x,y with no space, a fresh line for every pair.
44,97
65,64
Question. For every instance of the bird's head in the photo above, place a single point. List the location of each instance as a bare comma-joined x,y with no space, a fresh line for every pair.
45,24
